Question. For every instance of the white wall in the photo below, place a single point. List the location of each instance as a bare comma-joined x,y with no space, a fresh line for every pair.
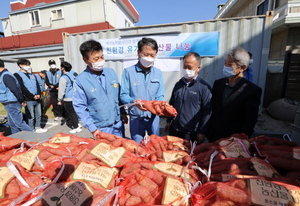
120,17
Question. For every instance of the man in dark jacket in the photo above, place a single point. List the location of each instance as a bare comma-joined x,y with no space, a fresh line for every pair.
235,100
191,97
12,99
52,81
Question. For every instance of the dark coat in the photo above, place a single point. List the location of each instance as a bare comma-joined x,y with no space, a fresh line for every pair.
235,115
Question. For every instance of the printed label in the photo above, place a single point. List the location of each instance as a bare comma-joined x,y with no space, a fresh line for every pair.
234,150
233,139
172,156
226,177
26,159
98,174
107,154
172,169
57,140
265,193
5,178
174,139
181,146
174,192
296,153
50,145
263,169
67,193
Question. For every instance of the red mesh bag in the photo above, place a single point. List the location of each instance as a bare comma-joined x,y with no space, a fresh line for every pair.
161,108
8,143
151,187
167,168
266,140
13,187
102,153
245,192
232,147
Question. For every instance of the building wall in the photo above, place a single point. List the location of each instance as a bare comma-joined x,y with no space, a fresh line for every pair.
293,41
278,42
248,9
281,2
75,14
120,17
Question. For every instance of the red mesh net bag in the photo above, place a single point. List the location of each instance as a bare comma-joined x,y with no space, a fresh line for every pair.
161,108
151,187
245,192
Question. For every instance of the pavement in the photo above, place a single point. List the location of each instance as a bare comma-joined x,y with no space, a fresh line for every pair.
52,126
55,127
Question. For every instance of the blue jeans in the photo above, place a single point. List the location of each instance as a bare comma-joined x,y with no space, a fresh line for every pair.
33,114
15,118
139,126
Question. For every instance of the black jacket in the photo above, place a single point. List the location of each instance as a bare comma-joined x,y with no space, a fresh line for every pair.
193,105
234,115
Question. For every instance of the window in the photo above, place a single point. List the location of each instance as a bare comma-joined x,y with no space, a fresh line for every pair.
57,14
35,17
262,7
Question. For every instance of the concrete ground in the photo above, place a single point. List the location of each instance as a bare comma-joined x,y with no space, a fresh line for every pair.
262,128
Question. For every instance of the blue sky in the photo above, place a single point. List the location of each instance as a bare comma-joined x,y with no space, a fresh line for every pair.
159,11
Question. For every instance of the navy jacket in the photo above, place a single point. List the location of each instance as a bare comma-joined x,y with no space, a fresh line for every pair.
193,104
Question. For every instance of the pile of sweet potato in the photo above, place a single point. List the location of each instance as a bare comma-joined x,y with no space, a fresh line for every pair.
110,170
68,169
161,108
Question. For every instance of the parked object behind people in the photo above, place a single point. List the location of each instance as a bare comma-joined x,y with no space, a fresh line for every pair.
65,93
12,99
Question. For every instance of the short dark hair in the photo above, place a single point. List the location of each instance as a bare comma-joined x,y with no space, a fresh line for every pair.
1,63
66,65
51,61
44,71
88,47
147,41
195,54
23,62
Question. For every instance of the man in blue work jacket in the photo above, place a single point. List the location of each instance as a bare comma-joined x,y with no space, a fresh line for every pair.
142,81
13,100
32,94
96,93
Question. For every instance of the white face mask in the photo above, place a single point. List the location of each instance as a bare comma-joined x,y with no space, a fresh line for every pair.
251,61
98,66
228,71
53,66
26,68
188,74
147,61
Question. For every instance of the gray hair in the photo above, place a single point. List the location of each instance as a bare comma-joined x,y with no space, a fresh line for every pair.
195,54
239,55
